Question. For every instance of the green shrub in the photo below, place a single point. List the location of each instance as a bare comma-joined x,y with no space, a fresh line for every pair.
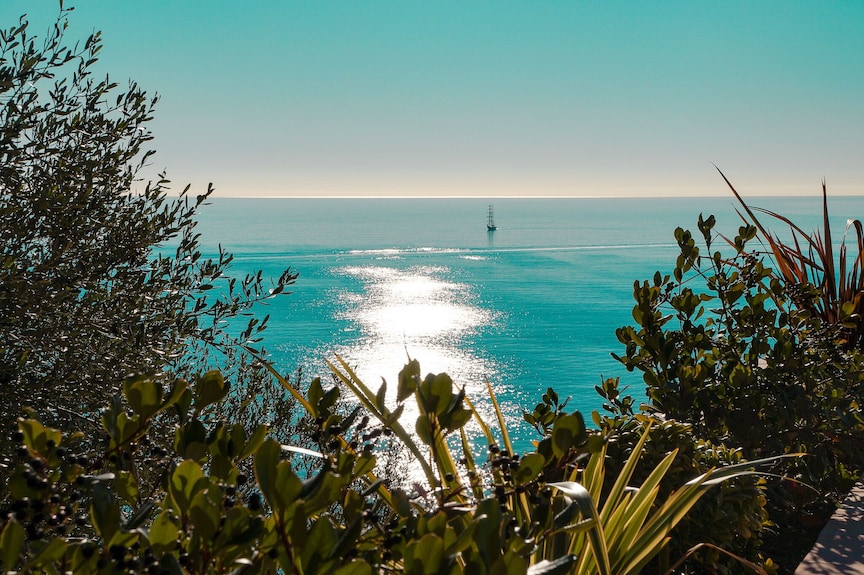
731,517
142,502
725,346
734,358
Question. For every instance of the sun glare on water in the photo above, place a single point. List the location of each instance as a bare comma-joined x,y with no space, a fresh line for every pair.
412,313
393,314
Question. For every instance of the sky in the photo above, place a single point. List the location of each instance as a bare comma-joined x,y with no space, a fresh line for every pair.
497,98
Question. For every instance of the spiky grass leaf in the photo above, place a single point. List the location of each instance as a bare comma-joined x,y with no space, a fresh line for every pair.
559,566
626,473
346,375
505,437
596,537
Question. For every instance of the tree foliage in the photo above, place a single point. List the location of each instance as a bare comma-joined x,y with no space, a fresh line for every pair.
97,275
736,349
738,360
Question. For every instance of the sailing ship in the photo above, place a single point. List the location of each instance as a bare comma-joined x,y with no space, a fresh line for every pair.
490,221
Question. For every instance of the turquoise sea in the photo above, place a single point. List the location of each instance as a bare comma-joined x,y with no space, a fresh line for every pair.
532,305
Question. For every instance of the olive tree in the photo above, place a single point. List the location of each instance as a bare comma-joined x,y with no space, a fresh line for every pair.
101,274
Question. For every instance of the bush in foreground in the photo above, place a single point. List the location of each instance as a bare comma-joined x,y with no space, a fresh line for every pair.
737,348
144,503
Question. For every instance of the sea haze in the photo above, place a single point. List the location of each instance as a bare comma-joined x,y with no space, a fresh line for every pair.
532,305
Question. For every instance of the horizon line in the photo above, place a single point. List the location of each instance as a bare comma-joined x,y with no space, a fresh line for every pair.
513,197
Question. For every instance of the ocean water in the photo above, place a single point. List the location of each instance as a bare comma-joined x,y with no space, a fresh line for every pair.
532,305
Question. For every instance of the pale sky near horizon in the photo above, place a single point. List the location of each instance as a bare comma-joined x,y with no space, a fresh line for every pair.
498,98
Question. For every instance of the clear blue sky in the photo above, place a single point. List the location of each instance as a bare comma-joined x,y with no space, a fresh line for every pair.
491,98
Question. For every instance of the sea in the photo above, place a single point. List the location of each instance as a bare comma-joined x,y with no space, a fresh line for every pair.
529,306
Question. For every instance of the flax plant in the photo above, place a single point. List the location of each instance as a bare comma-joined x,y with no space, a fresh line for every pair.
829,287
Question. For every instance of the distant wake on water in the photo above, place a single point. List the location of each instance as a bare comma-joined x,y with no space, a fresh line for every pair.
469,253
427,250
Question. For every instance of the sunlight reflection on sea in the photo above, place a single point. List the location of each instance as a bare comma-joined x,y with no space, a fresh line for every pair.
408,313
413,313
